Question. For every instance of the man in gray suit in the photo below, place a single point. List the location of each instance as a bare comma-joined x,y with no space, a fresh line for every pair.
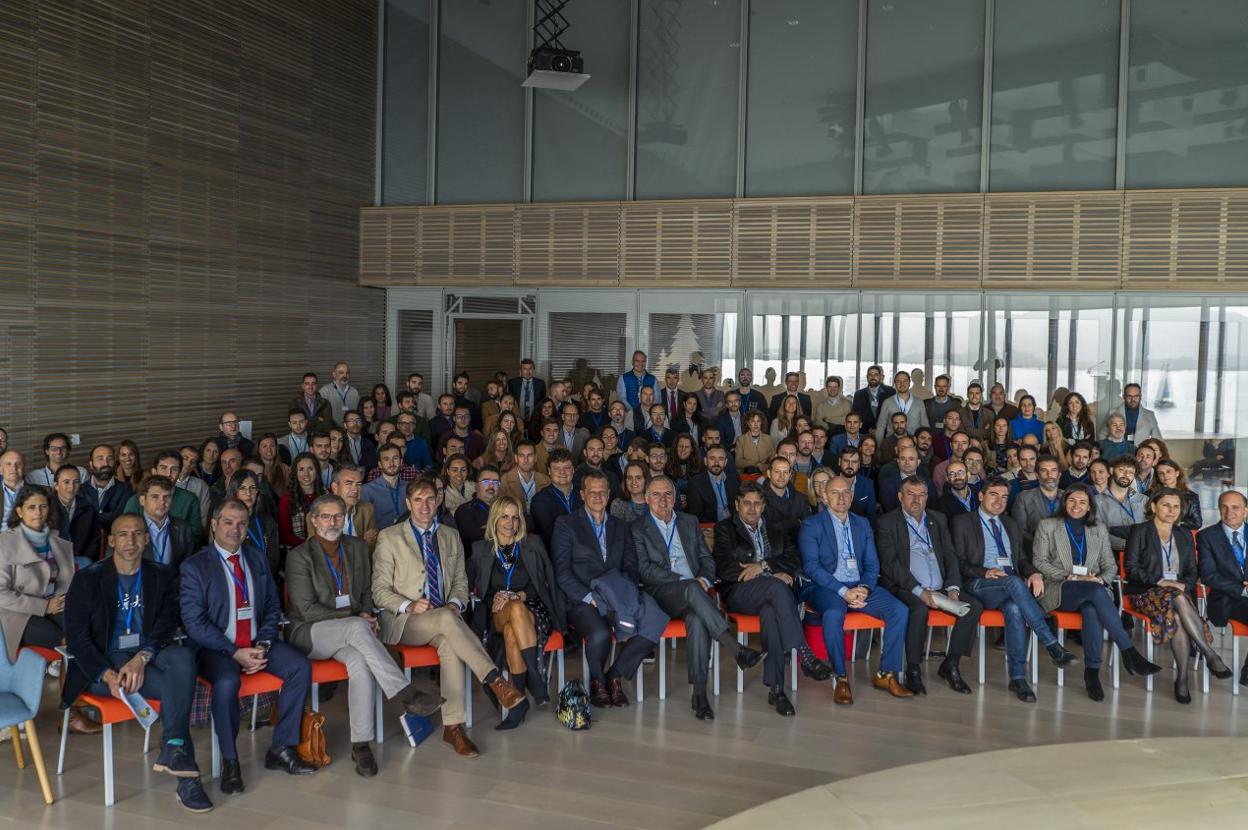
905,403
1141,422
676,568
1038,503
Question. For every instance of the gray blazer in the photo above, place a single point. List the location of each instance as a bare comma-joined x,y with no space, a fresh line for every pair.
311,589
1052,556
653,563
1145,425
917,417
1029,510
23,576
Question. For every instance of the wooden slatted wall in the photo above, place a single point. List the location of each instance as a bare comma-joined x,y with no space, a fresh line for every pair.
180,182
1171,240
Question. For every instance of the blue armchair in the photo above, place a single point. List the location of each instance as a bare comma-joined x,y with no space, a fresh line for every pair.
21,686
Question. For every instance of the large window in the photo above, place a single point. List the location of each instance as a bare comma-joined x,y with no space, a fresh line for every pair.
1054,94
688,66
801,97
405,111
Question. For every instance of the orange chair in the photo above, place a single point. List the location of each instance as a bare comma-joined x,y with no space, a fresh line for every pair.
1238,630
996,619
111,711
252,686
415,657
1064,621
676,630
748,624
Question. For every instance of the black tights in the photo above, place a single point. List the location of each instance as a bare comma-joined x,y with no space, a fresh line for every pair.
1191,631
45,632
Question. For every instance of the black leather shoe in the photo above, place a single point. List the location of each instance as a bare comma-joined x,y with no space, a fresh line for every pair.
1220,670
231,778
287,760
814,668
1060,656
952,676
598,694
1136,663
748,658
1243,674
777,698
1181,693
1092,682
1022,691
914,681
515,716
702,707
365,762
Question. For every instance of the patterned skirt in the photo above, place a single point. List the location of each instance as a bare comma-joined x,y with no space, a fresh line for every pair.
1157,604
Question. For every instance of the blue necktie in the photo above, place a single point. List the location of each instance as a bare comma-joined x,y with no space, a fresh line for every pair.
433,588
1237,545
1000,542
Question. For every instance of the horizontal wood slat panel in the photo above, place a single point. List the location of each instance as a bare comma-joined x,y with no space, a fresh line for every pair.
180,186
676,243
1088,240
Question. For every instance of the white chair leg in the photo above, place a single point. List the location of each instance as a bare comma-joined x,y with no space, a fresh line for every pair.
468,695
379,717
1204,675
216,748
663,668
1148,642
255,704
60,758
715,668
585,669
1234,681
1035,660
1061,673
641,686
1115,657
108,765
743,639
982,641
316,698
793,670
927,649
853,647
147,740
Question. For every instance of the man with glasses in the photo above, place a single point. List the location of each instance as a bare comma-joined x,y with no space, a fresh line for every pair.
56,451
329,581
231,437
471,516
474,441
1140,423
184,505
416,451
359,447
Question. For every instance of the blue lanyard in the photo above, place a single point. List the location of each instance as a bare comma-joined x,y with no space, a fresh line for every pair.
1167,550
925,538
255,532
129,607
1050,505
1125,504
567,503
342,395
996,537
332,570
846,536
242,585
600,530
670,535
1078,543
160,541
508,570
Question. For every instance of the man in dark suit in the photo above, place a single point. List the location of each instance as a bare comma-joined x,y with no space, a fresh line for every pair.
867,400
121,618
893,474
676,569
596,460
791,381
758,567
556,499
529,391
231,436
670,395
359,445
959,496
314,405
76,521
170,540
1223,566
997,572
589,545
102,489
918,564
712,493
786,507
864,503
731,420
231,612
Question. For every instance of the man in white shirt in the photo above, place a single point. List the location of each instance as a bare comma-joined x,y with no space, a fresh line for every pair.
904,402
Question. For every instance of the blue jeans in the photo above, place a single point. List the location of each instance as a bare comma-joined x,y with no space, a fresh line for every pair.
880,604
1013,599
1099,613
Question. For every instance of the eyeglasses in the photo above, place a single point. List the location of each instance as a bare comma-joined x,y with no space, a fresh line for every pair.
229,423
336,518
488,482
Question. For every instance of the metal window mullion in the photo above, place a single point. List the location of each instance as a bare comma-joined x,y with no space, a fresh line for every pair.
379,117
634,34
743,75
985,131
1124,78
860,100
527,187
435,34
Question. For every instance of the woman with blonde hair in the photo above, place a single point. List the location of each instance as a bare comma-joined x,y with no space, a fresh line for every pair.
754,448
520,604
129,467
786,419
499,452
1055,445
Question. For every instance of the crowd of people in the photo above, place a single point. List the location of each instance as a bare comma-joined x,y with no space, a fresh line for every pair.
484,521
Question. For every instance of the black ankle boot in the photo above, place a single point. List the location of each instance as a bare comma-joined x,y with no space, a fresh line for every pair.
536,677
1092,680
1136,663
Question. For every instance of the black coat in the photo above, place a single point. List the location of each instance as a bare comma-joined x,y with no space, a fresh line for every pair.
788,513
83,530
892,542
862,405
734,549
968,541
536,562
1221,572
113,503
91,608
700,496
1144,559
547,507
181,543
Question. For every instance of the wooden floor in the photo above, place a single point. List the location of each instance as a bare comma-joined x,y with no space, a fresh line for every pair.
648,766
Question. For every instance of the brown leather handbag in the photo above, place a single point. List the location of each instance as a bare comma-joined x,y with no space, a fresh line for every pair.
311,747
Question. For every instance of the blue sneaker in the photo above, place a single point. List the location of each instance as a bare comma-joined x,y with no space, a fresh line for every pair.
192,797
176,761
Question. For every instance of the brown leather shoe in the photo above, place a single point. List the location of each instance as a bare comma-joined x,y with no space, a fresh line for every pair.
887,681
457,738
80,724
598,694
841,692
615,687
508,696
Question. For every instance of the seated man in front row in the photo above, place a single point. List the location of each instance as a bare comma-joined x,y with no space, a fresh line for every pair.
839,557
121,617
231,612
676,569
330,583
997,573
595,564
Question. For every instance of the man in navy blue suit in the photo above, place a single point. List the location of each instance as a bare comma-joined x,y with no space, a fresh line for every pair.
527,389
230,611
1224,566
839,557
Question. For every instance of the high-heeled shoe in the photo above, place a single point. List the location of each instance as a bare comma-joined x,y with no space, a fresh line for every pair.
1219,669
515,716
1182,697
1136,663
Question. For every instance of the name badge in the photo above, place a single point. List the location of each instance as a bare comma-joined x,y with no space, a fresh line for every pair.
127,641
245,613
851,567
342,601
1171,575
1080,570
1004,562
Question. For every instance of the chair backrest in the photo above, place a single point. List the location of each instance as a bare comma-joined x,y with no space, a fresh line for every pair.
23,679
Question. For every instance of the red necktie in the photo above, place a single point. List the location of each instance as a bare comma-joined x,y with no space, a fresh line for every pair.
242,628
671,404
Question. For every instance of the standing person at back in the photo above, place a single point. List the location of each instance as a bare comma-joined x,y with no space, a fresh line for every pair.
342,396
1141,422
528,389
630,384
867,401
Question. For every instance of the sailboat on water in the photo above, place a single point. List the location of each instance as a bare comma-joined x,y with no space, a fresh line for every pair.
1164,399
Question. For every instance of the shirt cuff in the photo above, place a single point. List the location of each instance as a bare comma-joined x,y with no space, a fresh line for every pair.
403,605
917,590
842,591
457,604
705,582
588,599
957,588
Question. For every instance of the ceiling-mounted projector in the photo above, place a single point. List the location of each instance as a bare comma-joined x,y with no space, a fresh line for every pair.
551,68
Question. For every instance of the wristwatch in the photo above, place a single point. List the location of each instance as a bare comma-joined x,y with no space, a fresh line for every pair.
145,656
266,645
